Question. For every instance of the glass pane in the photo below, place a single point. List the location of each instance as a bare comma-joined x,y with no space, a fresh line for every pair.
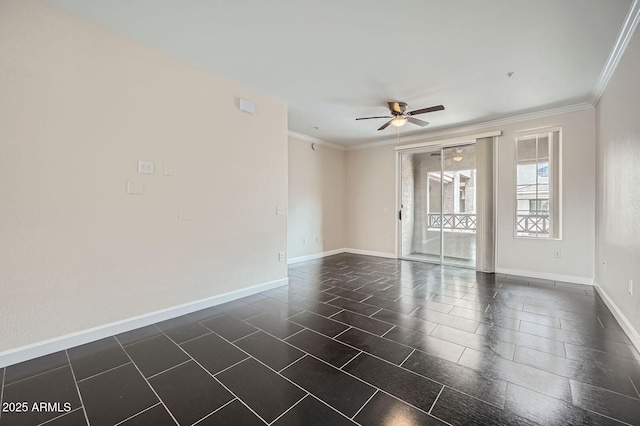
421,206
459,206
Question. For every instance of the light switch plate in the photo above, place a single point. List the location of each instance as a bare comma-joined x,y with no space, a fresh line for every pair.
135,188
145,167
185,216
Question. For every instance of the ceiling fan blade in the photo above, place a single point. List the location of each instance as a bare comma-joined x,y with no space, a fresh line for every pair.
369,118
420,123
425,110
385,125
397,107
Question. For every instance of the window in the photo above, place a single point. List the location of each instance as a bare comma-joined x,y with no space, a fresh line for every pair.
539,206
538,184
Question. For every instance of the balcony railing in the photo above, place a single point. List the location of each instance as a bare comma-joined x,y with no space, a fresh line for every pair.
533,223
527,223
453,221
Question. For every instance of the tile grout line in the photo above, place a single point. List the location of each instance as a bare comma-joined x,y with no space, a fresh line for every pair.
571,332
435,328
436,400
365,299
350,326
404,360
634,386
291,363
60,416
339,312
344,331
385,333
147,382
213,412
608,417
348,361
371,316
105,371
73,374
136,414
232,393
365,404
139,341
34,376
258,330
168,369
599,387
289,409
288,337
463,351
197,337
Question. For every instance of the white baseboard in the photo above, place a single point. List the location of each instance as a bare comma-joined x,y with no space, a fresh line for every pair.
315,256
617,313
545,276
35,350
371,253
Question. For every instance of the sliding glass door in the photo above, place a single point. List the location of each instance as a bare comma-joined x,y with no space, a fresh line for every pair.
438,205
459,206
421,199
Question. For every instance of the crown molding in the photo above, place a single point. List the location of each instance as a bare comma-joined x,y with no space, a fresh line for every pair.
311,139
449,141
626,33
476,127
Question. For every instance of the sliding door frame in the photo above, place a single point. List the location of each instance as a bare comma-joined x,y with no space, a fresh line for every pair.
421,147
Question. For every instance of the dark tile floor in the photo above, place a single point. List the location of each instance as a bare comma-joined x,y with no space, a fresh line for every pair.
352,340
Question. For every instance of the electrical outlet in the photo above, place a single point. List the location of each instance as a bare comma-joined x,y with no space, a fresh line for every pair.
145,167
557,253
604,266
631,287
281,256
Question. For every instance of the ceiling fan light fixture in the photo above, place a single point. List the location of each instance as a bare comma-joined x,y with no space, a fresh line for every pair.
399,121
457,158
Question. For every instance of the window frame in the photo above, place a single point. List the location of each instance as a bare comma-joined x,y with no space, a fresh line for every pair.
555,182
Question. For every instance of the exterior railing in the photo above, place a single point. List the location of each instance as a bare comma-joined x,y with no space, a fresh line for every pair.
453,221
533,223
527,223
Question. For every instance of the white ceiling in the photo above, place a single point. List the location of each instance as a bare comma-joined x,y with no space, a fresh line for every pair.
333,61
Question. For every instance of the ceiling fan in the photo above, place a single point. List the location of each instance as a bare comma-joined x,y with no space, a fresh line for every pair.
399,115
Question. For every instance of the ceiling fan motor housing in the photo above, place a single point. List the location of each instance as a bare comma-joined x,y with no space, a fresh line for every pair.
399,115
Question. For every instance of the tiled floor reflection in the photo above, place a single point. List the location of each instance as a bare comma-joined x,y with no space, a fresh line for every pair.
353,340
